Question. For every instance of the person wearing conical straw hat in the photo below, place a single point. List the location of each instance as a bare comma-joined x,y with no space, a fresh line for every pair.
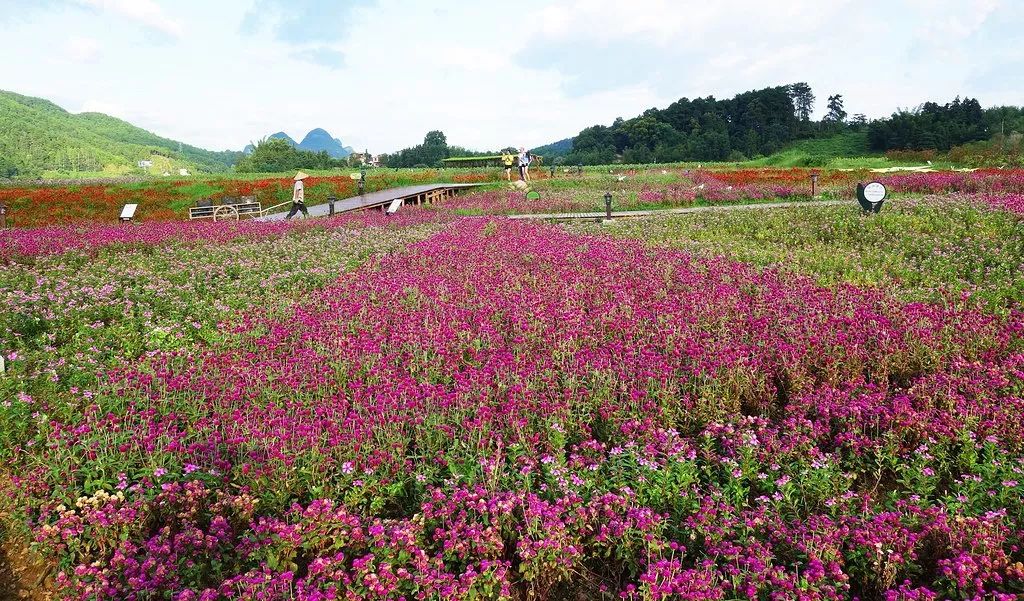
298,197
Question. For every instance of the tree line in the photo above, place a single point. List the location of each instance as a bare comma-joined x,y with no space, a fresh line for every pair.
430,153
761,122
277,155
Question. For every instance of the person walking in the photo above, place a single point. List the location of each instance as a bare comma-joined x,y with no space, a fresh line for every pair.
524,165
507,159
298,197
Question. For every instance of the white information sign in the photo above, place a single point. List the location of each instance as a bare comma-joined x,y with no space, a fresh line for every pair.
395,205
874,192
128,212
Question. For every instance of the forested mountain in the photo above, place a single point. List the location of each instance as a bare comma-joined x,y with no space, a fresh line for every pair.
37,136
283,136
318,140
554,150
759,123
931,127
750,124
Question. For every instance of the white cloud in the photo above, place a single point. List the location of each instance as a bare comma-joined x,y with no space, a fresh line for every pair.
379,74
144,12
81,49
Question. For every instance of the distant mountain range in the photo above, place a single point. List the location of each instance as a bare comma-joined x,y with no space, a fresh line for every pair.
555,149
39,138
315,141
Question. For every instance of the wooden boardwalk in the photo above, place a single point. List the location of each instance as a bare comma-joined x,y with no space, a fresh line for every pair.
415,195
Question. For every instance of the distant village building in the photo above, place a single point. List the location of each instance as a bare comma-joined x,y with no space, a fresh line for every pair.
365,158
183,171
145,164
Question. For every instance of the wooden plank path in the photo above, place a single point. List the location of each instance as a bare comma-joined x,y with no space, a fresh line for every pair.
416,195
652,212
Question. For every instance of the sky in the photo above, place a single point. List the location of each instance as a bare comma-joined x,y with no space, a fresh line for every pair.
379,74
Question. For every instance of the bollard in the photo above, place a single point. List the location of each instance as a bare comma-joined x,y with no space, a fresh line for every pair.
330,204
608,205
362,181
814,185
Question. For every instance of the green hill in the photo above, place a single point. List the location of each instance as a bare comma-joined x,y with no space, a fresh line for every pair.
39,138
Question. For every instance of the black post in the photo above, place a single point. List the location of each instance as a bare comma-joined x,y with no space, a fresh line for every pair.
552,171
3,215
330,204
362,181
579,169
608,205
814,185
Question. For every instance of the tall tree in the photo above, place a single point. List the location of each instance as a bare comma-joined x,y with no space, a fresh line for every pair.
435,138
803,100
836,114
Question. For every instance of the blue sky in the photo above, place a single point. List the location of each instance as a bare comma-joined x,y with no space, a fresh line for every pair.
379,74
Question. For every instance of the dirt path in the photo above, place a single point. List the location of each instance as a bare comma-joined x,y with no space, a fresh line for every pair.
711,209
22,575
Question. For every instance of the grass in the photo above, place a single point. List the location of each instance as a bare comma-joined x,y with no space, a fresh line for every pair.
842,151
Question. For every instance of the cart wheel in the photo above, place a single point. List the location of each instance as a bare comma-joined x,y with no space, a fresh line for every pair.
225,212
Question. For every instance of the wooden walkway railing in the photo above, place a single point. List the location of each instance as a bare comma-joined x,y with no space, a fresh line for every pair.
382,199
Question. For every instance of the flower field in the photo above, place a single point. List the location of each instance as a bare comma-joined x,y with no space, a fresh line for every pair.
783,404
161,200
651,189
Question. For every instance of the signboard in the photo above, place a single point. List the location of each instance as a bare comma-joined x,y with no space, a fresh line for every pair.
871,196
395,205
355,176
533,195
874,192
128,212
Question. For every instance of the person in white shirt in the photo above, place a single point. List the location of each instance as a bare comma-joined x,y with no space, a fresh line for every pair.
298,197
524,165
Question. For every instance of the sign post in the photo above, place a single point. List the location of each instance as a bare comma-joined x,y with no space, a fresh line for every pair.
3,215
871,196
128,212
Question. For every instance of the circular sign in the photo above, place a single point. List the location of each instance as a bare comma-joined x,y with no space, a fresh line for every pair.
874,192
533,195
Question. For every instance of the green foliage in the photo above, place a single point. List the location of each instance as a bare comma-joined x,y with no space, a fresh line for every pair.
819,152
38,136
1000,151
704,129
554,150
277,155
428,154
932,126
803,100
